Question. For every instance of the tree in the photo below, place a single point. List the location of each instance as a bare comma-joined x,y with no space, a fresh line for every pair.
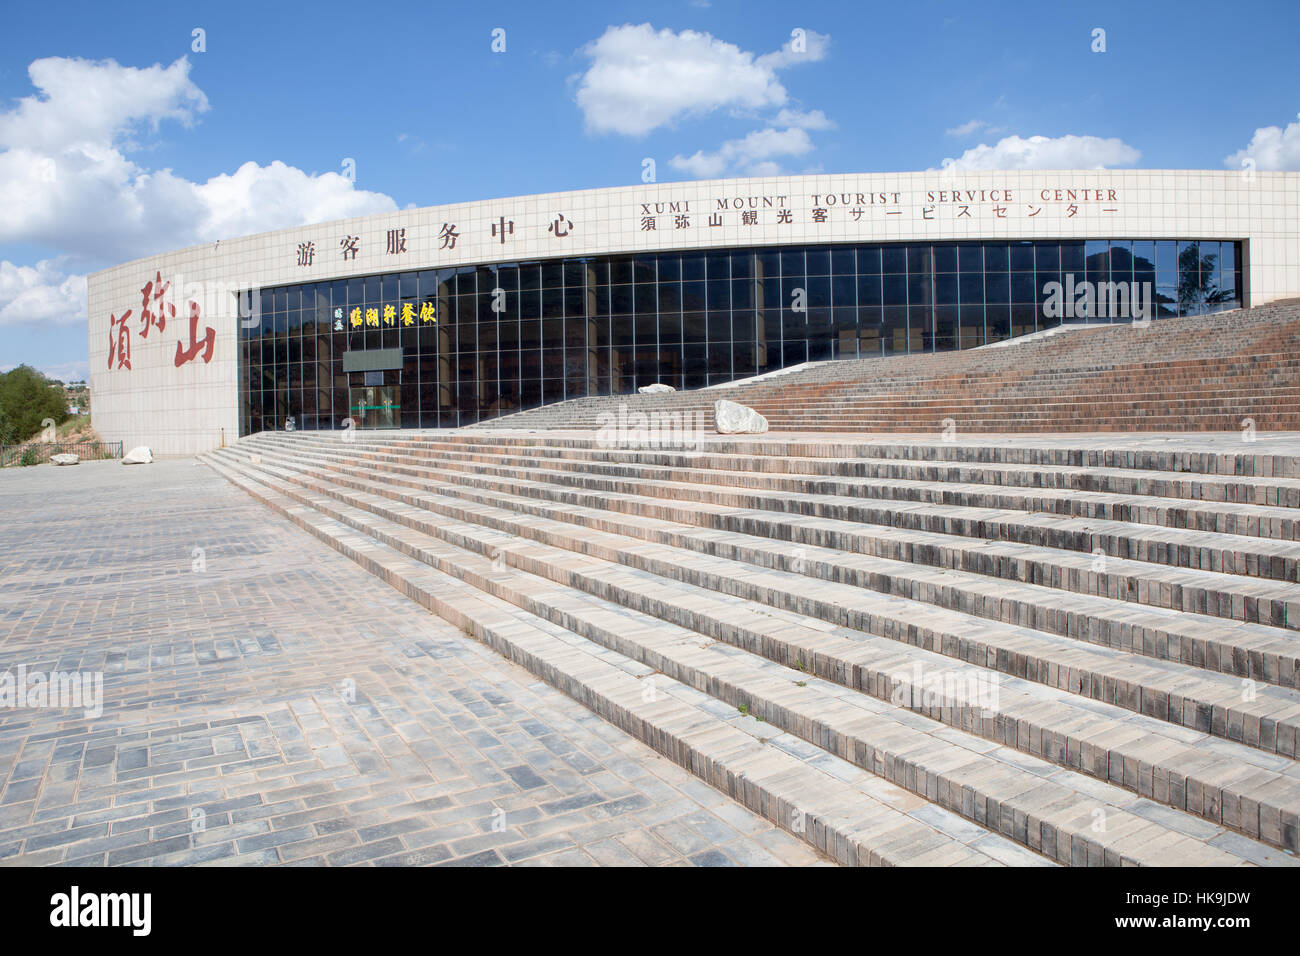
27,398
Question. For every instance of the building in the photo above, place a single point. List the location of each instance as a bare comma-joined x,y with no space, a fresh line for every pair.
449,315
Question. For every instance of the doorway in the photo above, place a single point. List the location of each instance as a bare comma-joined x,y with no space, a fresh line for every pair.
375,406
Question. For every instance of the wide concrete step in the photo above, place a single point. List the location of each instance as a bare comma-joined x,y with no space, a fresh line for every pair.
1161,455
1227,592
1104,742
853,816
1132,486
1252,651
1172,511
1045,808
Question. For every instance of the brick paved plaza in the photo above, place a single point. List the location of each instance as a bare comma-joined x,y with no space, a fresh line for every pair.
227,735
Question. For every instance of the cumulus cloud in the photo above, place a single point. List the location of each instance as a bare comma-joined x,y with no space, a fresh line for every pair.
1270,148
68,183
641,79
1045,152
41,293
752,155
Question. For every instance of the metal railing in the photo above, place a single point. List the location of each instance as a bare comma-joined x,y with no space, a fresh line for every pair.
39,452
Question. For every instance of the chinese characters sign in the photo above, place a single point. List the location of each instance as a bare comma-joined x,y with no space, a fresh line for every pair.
155,311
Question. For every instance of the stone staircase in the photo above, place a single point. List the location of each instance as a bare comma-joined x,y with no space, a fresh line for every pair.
1217,372
918,653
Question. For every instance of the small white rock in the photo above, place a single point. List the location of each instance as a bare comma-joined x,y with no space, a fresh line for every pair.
655,389
140,455
732,418
66,458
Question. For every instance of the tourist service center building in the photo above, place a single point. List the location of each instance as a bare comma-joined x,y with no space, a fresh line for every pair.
450,315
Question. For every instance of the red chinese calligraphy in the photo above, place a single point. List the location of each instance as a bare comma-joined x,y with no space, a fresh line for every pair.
196,344
153,310
119,342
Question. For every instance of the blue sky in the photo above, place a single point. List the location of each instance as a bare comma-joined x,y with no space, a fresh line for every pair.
110,148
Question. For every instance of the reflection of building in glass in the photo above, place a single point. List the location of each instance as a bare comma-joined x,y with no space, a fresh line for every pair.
447,347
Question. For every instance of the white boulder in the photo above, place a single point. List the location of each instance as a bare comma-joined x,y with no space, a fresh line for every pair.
140,455
732,418
65,459
655,389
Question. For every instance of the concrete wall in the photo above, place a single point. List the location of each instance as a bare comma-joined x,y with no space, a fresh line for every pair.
183,410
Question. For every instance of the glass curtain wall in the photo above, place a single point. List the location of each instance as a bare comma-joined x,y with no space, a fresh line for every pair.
481,341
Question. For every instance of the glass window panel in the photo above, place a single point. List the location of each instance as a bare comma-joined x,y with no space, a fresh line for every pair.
792,263
945,287
575,273
742,293
971,288
670,297
844,261
895,290
670,268
819,262
1073,257
893,259
819,292
742,265
620,270
918,259
552,302
643,269
970,258
996,257
918,289
694,327
718,267
997,287
870,291
1022,256
575,301
869,260
692,267
844,291
1047,256
1022,287
971,318
693,296
945,257
769,264
620,299
646,299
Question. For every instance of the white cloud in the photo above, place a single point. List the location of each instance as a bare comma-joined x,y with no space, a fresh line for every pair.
813,47
1044,152
641,79
814,119
965,129
67,183
753,155
1271,148
41,293
86,101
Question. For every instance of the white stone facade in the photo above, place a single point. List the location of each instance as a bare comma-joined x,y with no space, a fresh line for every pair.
191,408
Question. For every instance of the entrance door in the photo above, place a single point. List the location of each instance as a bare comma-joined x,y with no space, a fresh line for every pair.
375,406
